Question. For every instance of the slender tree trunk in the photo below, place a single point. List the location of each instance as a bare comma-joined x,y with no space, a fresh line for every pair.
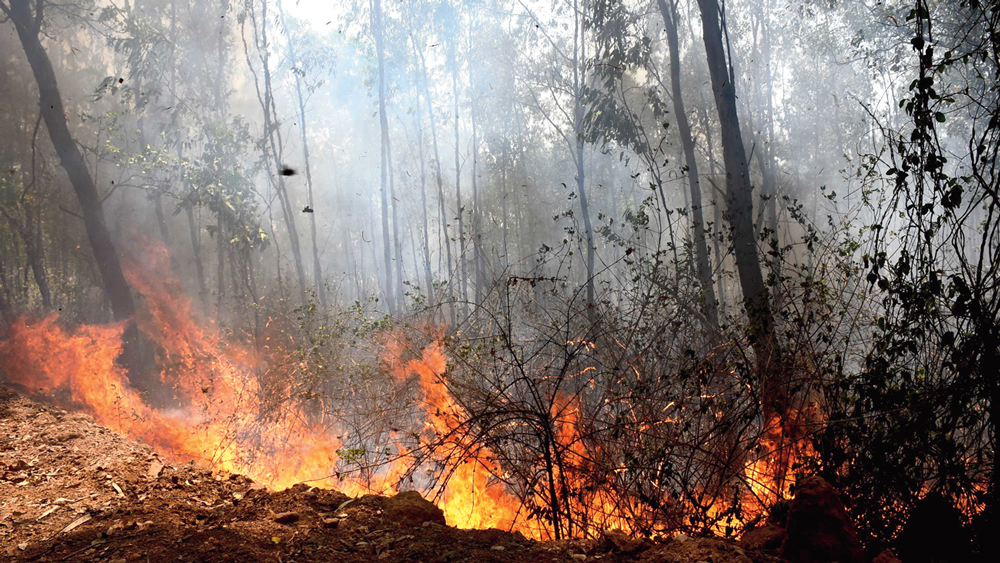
532,238
579,58
739,190
220,234
6,309
317,268
477,214
440,180
772,204
503,203
668,8
272,136
464,278
378,30
196,249
423,190
33,252
396,244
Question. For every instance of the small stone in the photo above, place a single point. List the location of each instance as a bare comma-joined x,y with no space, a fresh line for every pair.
331,522
497,548
154,469
579,557
287,518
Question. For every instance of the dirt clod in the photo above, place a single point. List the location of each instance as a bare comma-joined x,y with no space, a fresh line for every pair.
287,517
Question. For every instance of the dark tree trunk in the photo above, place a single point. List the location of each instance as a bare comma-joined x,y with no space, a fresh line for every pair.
117,289
6,310
396,245
738,190
196,249
668,8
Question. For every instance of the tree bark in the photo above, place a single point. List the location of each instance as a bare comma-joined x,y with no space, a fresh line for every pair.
274,136
709,307
396,245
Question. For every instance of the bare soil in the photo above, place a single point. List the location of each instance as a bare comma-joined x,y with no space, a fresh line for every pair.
72,490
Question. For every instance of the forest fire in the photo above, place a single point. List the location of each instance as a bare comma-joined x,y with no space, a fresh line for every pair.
691,258
218,420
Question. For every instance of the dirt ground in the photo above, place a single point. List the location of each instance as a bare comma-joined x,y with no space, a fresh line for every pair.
71,490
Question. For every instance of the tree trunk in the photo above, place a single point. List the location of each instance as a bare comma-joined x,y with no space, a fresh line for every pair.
196,249
423,191
739,191
464,279
6,310
271,138
117,289
396,245
34,253
317,268
119,294
579,59
477,217
378,30
439,178
708,304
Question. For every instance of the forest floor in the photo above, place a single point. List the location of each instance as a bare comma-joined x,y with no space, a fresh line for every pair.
71,490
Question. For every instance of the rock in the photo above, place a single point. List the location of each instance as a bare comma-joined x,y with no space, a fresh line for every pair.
886,557
818,529
154,469
765,538
331,522
287,518
410,509
618,541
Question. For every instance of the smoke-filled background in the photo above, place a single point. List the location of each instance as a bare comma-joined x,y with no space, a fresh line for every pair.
677,253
